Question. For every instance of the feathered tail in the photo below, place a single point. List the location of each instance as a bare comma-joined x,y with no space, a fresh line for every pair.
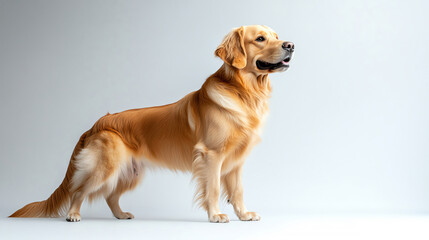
59,200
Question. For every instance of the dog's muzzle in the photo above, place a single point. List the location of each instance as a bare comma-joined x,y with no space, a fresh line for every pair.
289,47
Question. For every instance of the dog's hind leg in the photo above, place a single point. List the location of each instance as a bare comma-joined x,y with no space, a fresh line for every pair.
113,202
98,167
128,180
74,213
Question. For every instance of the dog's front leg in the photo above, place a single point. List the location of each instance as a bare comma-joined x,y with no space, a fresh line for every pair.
214,165
234,189
206,170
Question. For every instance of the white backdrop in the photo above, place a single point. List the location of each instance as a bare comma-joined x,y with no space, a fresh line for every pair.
348,130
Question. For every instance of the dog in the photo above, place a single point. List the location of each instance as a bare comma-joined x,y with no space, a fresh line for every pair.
209,133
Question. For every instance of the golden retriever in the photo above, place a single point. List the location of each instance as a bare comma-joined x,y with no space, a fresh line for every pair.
209,132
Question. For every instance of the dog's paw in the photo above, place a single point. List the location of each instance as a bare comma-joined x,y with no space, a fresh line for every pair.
249,216
73,217
219,218
125,215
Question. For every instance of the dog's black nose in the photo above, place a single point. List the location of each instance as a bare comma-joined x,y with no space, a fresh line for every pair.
288,46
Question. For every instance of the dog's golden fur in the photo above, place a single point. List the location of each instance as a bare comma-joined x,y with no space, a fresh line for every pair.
209,132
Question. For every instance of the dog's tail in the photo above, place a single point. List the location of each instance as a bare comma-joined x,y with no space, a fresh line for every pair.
59,200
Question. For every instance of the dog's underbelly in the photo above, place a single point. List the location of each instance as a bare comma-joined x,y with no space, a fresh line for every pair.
173,157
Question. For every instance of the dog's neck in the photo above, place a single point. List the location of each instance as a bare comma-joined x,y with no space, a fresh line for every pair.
249,81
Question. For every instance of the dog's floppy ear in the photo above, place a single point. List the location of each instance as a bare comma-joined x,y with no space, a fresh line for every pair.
231,50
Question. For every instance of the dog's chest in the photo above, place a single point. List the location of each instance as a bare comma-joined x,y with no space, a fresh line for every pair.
247,126
236,121
247,112
255,114
242,139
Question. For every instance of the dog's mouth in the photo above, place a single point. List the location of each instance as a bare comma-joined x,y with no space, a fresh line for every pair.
262,65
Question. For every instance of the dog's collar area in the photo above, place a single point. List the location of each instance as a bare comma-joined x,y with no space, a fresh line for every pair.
272,66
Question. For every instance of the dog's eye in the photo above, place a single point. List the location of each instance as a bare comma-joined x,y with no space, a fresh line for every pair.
260,39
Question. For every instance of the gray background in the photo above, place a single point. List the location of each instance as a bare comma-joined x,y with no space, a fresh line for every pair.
348,129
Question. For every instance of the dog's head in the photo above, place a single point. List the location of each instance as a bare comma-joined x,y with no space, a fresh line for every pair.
255,49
